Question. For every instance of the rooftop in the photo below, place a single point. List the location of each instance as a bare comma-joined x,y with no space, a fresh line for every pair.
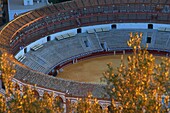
18,5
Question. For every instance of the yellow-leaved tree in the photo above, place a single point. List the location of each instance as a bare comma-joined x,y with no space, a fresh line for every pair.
86,105
23,100
141,85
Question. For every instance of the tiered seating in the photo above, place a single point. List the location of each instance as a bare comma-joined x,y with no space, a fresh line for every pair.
36,47
59,37
166,9
84,8
108,2
168,44
21,58
95,42
69,49
71,34
115,38
94,2
102,2
52,57
46,10
58,50
36,14
167,29
64,36
73,4
105,29
30,16
164,29
161,40
161,29
90,31
86,3
34,65
98,30
19,23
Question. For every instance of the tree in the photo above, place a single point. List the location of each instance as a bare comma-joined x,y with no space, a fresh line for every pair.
139,85
23,100
87,105
7,73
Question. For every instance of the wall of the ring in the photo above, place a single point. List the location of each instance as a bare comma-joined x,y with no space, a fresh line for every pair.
140,25
84,29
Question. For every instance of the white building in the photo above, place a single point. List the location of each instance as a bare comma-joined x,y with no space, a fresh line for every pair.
22,6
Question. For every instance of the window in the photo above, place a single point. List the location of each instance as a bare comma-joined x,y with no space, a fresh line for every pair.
25,50
148,39
3,86
55,73
79,30
150,26
48,38
28,2
114,26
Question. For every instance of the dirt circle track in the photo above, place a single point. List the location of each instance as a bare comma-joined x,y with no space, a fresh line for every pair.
91,70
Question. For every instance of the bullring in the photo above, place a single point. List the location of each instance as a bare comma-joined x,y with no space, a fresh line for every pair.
80,17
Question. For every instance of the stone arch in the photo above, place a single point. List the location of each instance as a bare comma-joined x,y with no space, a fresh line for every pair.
35,93
100,107
109,109
46,95
61,96
41,92
24,88
104,105
16,86
59,101
73,101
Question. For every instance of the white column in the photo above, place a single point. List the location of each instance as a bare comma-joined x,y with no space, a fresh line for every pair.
0,83
167,55
123,51
64,106
0,79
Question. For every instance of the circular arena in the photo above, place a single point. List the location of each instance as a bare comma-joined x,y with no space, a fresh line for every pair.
45,40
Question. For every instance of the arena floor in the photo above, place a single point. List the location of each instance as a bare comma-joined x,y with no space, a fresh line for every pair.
91,70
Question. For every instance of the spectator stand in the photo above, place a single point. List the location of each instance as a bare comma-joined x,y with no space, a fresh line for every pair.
36,47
